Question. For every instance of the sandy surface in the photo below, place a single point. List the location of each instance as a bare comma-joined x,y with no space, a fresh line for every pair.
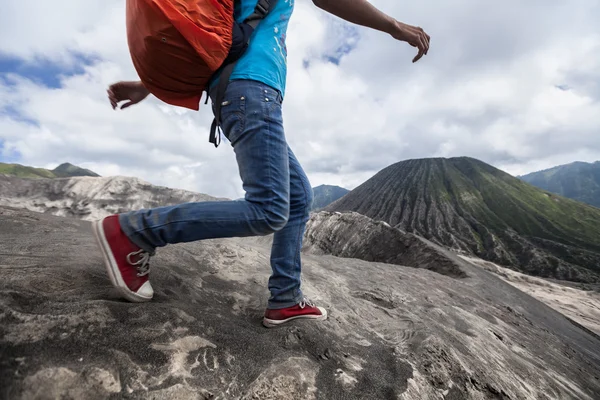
583,306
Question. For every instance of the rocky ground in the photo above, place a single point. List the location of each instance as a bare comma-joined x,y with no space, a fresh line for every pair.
581,304
394,332
89,198
352,235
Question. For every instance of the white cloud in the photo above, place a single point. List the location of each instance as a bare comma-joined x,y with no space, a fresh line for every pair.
488,89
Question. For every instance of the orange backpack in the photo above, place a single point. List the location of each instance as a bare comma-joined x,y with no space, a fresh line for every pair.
178,46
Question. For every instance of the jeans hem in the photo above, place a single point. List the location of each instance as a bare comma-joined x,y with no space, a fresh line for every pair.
279,305
131,235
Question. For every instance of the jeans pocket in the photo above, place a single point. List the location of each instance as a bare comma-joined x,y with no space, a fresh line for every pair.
272,105
271,95
233,116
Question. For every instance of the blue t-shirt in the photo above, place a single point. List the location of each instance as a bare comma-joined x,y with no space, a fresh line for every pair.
265,59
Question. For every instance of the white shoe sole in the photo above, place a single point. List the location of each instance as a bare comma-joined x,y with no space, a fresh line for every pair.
273,323
112,267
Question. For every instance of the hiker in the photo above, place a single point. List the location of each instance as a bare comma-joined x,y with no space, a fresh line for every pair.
278,194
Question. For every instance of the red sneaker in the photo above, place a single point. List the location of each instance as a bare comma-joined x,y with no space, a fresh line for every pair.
305,309
127,265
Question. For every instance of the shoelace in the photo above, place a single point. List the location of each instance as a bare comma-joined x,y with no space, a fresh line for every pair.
306,302
143,264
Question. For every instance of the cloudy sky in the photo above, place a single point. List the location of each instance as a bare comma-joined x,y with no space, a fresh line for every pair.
513,83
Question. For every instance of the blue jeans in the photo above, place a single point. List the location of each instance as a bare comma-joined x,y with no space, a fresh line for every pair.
277,201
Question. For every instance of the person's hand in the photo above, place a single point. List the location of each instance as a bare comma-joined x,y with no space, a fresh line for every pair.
132,92
414,36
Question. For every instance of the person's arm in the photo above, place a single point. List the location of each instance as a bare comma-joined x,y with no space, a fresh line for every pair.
361,12
131,91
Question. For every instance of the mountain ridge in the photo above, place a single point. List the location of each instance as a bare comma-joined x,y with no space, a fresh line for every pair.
577,180
468,205
64,170
68,170
459,203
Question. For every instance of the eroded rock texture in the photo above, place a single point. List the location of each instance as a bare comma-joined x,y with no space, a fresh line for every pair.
89,198
394,332
356,236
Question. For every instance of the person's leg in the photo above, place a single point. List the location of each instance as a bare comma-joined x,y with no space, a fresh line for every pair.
252,121
284,282
287,302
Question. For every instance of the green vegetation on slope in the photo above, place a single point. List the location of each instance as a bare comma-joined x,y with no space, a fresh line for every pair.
579,181
466,204
65,170
22,171
508,203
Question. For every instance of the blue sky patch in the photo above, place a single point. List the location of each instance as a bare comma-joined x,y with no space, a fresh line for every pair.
9,157
344,46
335,57
43,72
15,115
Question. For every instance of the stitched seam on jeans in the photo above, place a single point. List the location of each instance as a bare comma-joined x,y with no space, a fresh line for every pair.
300,233
179,221
240,115
266,119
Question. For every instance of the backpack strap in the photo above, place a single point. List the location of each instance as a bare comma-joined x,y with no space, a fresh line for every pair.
262,9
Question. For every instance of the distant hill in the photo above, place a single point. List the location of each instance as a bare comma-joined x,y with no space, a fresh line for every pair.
579,181
65,170
327,194
470,206
22,171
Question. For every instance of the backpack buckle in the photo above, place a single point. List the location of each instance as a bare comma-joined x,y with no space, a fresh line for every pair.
262,7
